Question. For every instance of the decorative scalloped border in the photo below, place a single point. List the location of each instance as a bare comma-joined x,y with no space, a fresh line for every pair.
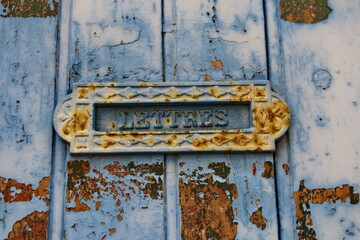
270,114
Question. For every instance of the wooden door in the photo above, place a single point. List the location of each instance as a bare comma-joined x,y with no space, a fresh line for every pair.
307,189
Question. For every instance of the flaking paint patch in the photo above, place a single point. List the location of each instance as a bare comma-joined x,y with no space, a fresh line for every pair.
304,11
268,170
305,196
286,168
86,187
14,191
206,204
29,8
258,219
217,64
32,226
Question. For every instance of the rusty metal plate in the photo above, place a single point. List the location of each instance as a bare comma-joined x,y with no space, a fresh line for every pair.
172,117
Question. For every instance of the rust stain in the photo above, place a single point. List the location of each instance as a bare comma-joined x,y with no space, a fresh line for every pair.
33,226
30,8
268,170
82,93
206,204
304,11
254,169
305,196
217,64
258,219
207,78
286,168
79,121
85,186
112,230
13,191
271,119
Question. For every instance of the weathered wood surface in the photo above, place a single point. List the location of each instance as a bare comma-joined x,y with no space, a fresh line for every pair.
317,168
220,196
27,79
115,197
312,58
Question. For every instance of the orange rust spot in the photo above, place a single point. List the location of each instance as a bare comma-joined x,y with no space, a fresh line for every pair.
171,140
215,92
97,205
79,121
305,11
92,87
268,170
9,187
200,143
108,142
43,190
32,226
119,218
286,168
79,207
181,164
260,92
270,119
207,78
258,219
82,93
206,208
217,64
113,125
254,169
219,139
241,139
257,201
304,196
29,8
112,230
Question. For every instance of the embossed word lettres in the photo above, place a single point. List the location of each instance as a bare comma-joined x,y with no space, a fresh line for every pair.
172,117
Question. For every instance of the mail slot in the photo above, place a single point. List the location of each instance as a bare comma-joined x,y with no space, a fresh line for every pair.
172,117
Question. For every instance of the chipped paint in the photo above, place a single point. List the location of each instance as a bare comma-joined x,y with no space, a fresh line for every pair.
33,226
29,8
206,204
217,64
304,11
305,196
258,219
86,186
268,170
286,168
14,191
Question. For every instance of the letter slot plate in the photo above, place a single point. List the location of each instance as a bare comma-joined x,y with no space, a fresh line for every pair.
172,117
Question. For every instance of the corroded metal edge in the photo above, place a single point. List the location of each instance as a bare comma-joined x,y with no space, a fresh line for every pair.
73,118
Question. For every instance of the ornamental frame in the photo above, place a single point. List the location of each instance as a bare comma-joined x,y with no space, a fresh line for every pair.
269,117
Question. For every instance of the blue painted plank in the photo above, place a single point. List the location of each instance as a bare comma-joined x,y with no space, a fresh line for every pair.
115,197
27,63
317,167
221,196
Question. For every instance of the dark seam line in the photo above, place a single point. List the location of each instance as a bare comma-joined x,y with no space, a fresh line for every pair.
54,134
163,59
269,75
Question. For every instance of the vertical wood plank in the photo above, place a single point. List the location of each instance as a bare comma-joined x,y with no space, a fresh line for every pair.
27,79
221,196
122,196
319,176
